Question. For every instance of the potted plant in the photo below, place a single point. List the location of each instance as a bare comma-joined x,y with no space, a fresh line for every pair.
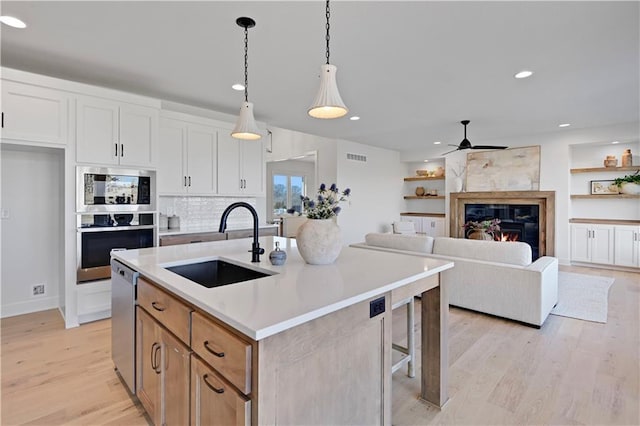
629,184
483,230
318,239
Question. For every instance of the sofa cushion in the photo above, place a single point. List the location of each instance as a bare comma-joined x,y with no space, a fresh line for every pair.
417,243
514,253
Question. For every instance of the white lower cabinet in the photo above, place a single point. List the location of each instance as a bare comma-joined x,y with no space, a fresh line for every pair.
431,226
627,246
592,243
187,159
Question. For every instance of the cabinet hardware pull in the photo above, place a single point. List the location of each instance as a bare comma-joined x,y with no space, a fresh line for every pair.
153,357
157,368
3,120
189,180
195,241
157,306
116,149
218,354
185,181
121,150
210,386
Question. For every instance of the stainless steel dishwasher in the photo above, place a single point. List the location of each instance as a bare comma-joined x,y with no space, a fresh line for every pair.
123,321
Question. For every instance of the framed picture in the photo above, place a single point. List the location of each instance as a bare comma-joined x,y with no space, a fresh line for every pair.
603,187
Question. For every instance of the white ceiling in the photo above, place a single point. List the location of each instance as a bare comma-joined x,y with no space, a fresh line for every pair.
411,70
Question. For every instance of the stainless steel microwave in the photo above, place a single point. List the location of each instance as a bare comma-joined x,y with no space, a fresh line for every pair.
102,189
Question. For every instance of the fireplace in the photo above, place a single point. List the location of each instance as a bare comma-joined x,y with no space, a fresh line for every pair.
528,216
518,222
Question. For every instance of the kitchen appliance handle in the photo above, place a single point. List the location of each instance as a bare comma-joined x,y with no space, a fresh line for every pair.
218,354
210,386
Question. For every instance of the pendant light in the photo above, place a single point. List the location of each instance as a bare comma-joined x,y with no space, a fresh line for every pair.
246,127
328,103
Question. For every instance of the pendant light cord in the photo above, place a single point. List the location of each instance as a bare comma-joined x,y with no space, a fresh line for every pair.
246,64
328,14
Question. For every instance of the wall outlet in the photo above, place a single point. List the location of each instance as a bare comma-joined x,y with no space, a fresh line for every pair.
376,307
37,290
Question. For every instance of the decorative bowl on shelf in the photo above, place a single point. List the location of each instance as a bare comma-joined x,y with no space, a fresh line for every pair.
611,161
420,191
422,172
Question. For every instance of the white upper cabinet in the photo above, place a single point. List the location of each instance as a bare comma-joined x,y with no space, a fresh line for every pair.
241,168
187,158
34,114
115,133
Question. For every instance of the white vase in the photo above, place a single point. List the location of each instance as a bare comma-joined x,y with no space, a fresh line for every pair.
630,188
319,241
457,184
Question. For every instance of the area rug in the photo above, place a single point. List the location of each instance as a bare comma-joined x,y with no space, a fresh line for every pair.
582,296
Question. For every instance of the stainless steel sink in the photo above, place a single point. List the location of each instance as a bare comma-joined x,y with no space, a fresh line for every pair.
216,273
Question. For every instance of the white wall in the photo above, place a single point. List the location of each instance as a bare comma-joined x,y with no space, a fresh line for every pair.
33,196
555,165
376,186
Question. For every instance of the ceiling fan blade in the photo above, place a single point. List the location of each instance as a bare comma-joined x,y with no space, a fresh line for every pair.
489,147
457,146
454,150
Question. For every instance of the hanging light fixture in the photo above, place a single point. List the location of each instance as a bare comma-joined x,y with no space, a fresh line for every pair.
328,103
246,127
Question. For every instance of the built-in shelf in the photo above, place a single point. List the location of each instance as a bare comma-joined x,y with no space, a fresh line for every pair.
422,214
603,196
414,178
605,221
424,197
606,169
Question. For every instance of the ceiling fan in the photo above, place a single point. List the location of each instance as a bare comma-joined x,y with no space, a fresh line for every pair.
465,144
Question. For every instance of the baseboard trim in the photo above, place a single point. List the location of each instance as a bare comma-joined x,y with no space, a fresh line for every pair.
30,306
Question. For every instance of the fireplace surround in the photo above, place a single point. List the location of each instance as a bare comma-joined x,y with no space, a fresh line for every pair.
505,201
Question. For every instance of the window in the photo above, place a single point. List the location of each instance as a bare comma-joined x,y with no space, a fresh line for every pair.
287,190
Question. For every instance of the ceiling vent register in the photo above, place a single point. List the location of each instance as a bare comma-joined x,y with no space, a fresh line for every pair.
356,157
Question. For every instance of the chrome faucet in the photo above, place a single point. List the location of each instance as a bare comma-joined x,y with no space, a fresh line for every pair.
255,251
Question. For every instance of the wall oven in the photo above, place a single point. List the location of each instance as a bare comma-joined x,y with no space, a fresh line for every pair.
102,189
99,234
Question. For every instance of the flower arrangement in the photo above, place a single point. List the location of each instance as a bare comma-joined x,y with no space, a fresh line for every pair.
325,204
488,226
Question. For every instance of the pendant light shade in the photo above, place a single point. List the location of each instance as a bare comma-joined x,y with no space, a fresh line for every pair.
328,103
246,127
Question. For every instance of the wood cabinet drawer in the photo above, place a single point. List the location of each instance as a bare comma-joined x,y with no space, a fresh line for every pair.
226,352
213,401
172,240
168,310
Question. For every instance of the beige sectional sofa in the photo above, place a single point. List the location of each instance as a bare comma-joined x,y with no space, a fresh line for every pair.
496,278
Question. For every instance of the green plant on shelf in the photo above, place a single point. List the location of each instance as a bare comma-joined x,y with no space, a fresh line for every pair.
634,178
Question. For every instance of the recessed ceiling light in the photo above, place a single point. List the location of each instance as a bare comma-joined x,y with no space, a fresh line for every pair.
615,142
238,87
354,118
426,161
524,74
12,22
437,143
564,125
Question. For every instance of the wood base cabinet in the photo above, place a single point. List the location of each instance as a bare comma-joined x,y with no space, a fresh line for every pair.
162,365
213,400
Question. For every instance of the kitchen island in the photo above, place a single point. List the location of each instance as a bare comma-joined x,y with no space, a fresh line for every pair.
304,344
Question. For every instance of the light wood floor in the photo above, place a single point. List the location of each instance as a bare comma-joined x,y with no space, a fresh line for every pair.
568,372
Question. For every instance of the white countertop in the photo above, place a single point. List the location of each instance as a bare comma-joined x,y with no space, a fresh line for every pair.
203,229
296,294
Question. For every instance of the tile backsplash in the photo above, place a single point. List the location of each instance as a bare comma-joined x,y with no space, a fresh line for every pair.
198,212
